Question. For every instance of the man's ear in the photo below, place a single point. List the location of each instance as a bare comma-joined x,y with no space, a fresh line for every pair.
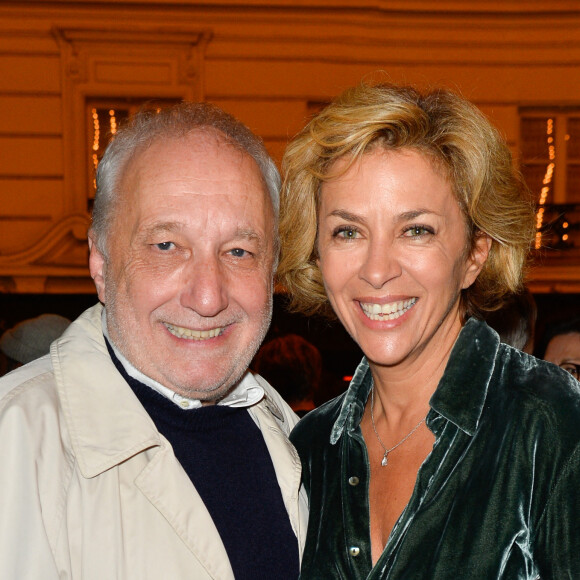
97,266
476,259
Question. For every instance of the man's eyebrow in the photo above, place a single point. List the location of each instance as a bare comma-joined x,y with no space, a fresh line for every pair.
241,233
162,227
246,233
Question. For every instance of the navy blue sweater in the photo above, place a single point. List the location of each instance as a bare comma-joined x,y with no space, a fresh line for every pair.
225,455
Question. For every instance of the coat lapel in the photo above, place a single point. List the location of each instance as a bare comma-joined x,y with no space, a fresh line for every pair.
169,489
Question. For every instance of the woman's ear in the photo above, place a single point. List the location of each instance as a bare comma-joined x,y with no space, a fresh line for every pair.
97,266
476,259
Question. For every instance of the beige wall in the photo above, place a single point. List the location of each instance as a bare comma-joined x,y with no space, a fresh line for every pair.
269,63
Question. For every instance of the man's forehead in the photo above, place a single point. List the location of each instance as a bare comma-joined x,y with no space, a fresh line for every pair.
205,155
203,141
162,194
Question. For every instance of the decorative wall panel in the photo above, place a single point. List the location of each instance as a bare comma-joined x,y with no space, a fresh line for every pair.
269,62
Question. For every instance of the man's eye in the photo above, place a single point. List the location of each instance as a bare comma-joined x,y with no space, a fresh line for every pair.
239,253
165,246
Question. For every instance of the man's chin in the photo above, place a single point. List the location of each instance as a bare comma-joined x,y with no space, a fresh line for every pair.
208,392
209,397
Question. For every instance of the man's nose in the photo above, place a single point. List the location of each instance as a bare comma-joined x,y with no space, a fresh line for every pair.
381,264
205,287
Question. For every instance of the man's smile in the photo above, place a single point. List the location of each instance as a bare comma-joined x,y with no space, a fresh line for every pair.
191,334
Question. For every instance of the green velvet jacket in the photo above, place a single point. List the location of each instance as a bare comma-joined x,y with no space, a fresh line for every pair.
498,496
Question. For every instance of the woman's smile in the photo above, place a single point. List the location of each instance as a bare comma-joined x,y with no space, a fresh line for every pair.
388,311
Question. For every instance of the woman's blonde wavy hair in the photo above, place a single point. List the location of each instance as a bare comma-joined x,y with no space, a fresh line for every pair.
455,135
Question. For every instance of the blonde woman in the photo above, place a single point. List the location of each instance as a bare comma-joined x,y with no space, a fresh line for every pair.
451,455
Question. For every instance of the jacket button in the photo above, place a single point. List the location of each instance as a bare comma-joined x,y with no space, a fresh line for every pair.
354,551
354,480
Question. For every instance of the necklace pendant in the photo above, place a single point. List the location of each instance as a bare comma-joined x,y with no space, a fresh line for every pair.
385,461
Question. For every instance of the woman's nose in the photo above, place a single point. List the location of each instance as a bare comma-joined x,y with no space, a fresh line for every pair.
381,264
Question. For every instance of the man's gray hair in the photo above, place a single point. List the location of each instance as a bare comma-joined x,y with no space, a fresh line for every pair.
148,126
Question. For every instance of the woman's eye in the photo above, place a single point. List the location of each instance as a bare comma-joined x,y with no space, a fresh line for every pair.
417,231
164,246
346,232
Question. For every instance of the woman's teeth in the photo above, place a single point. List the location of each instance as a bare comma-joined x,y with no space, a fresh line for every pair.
190,334
389,311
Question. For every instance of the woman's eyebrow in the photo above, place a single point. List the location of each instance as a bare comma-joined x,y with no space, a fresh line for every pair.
347,216
414,214
402,217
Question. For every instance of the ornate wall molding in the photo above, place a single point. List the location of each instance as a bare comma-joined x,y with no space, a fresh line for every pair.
144,62
56,263
268,62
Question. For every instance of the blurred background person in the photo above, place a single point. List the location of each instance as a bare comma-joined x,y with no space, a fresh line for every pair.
294,366
515,321
561,345
29,340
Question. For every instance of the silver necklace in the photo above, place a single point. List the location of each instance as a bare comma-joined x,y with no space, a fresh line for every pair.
385,461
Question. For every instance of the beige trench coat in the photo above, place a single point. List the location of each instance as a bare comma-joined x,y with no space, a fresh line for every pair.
89,489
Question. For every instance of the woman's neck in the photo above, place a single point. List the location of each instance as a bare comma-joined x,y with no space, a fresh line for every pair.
404,390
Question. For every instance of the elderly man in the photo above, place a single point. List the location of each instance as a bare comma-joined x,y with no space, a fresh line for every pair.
142,447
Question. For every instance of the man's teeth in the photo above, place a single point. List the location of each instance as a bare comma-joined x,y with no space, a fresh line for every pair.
388,311
190,334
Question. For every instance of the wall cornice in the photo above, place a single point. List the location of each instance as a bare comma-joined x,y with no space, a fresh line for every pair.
530,7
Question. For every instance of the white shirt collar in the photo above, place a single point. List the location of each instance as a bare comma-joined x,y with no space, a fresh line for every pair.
247,392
